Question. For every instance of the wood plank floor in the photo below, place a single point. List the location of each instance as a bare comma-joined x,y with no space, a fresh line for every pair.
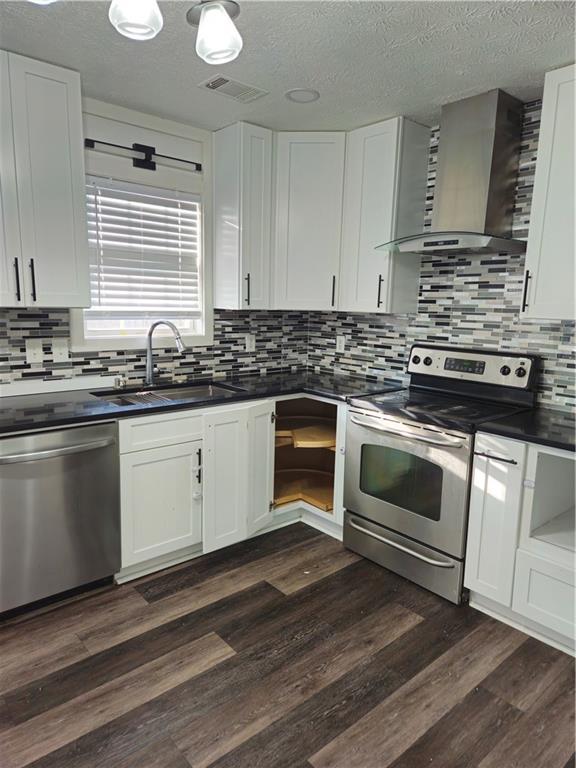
286,651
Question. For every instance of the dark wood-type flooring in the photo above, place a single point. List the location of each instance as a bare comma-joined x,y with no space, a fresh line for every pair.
286,651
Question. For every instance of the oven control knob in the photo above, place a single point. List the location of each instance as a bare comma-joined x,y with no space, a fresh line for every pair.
505,370
427,361
415,359
521,372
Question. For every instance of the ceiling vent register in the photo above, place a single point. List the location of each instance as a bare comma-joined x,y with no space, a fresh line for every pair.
233,89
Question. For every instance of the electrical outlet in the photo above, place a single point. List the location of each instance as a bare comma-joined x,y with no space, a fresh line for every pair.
34,352
250,342
60,350
340,343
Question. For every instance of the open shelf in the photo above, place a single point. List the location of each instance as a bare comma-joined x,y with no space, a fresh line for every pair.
310,485
306,432
305,453
558,531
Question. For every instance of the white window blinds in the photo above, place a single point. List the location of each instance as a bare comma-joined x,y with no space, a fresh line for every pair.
145,258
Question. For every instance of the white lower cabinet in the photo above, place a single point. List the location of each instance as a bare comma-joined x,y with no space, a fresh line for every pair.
521,542
161,501
495,502
238,471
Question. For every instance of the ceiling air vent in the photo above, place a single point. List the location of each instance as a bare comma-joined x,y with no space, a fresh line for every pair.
233,89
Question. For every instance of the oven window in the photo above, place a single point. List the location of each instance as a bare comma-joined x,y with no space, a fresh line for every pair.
402,479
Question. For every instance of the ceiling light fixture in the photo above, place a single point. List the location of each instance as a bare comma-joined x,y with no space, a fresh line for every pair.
136,19
42,2
218,40
302,95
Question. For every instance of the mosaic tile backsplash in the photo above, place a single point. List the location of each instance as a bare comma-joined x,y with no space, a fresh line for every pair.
464,300
469,301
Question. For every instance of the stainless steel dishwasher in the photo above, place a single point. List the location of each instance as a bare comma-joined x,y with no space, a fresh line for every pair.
59,512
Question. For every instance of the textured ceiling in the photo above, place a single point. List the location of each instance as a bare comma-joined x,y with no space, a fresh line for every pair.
369,60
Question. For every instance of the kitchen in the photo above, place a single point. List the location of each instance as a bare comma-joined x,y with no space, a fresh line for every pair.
287,384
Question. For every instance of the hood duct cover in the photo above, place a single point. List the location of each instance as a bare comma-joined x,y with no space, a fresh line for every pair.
478,155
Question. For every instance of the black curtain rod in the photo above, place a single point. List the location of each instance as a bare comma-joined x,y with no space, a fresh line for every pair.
149,153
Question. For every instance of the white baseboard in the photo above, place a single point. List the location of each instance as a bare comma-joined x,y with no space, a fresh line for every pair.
157,564
320,523
531,628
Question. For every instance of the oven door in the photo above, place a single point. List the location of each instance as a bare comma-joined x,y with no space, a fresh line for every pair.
410,478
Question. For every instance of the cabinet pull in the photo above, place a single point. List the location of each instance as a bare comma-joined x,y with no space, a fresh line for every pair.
495,458
17,272
380,281
247,278
33,275
199,473
333,300
525,294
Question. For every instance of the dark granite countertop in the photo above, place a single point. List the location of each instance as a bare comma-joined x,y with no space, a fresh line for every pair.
545,426
22,413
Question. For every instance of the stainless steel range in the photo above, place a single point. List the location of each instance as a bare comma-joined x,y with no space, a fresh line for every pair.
409,455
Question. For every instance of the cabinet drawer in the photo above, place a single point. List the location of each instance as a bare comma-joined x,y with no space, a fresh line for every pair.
163,429
544,592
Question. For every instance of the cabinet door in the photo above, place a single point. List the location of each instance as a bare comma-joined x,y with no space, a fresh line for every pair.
11,286
161,501
256,204
225,467
261,465
369,214
544,592
495,501
550,252
47,118
242,216
309,188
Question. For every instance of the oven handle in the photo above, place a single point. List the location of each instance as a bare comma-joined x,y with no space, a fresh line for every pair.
418,438
395,545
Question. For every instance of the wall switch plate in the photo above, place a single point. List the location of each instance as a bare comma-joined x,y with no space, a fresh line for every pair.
34,352
60,350
250,342
340,343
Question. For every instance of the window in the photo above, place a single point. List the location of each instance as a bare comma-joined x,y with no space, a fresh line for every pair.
145,261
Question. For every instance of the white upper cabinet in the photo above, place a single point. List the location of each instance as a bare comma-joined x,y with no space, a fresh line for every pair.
242,216
11,293
46,118
309,190
549,278
384,198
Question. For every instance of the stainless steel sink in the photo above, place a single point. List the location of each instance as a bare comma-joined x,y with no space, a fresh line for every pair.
166,395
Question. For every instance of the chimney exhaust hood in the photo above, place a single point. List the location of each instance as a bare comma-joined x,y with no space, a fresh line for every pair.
478,156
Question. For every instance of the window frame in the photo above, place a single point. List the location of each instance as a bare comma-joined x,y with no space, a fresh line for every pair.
111,123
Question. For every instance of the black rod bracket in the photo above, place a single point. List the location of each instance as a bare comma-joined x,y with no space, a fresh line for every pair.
148,161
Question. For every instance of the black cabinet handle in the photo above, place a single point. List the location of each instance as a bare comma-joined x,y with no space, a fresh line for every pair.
525,294
17,271
247,278
380,281
495,458
33,274
199,473
333,301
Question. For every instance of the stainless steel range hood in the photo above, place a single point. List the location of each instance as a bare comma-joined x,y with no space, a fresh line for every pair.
477,166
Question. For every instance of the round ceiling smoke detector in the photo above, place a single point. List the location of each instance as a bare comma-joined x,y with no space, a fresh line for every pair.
302,95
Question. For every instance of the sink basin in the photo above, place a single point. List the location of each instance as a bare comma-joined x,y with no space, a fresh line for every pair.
165,395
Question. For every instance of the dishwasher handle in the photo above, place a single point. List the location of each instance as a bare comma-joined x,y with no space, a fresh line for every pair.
53,453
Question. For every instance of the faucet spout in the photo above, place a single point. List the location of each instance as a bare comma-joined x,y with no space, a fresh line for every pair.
180,346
